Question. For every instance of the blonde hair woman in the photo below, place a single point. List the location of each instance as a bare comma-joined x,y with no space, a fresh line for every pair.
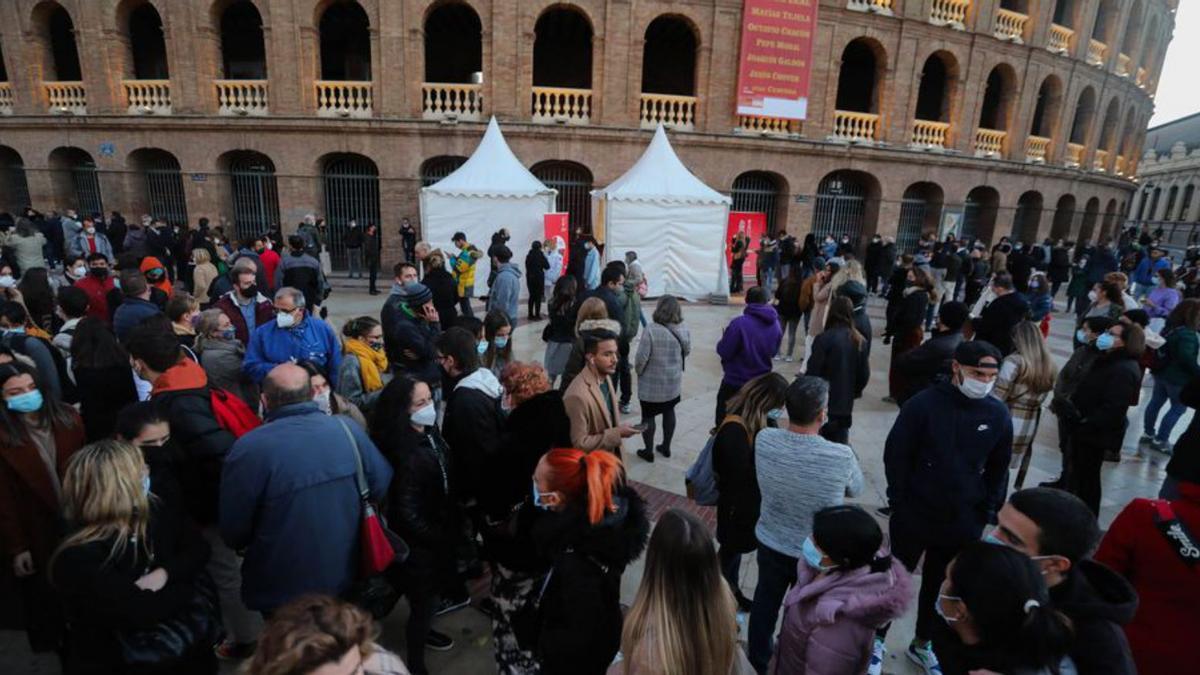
1026,379
318,634
123,541
203,275
683,619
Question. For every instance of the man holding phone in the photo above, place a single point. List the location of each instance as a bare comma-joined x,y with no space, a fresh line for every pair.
591,399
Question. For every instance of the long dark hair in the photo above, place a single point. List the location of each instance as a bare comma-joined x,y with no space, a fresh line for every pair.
1007,599
841,313
93,345
56,413
492,323
39,297
850,537
391,423
563,298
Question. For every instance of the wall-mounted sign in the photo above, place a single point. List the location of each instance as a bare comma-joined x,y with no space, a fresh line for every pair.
108,149
199,177
776,58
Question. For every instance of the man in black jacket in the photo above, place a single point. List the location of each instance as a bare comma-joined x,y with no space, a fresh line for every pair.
472,421
930,362
996,322
946,460
1059,533
410,329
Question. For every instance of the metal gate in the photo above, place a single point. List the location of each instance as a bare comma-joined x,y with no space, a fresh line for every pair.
756,192
255,195
437,168
14,187
87,188
840,208
574,185
1026,221
972,215
164,190
351,187
913,214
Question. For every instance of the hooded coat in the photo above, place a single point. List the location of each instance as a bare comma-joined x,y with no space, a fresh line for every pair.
1099,602
163,284
505,292
829,622
748,344
580,611
471,427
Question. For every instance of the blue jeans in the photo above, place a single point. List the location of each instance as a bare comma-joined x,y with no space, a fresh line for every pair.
1163,391
776,572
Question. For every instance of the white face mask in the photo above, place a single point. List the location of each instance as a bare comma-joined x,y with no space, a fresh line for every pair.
7,281
285,320
78,272
322,401
1092,296
976,389
426,416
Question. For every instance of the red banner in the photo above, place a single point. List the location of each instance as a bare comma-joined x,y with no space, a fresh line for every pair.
557,228
754,225
776,58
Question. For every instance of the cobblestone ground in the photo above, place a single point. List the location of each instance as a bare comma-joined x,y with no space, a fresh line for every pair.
1138,474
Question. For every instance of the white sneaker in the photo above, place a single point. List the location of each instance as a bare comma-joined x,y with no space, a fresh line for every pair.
789,359
924,657
878,651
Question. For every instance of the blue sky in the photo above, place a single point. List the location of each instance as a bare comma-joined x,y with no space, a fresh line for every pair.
1177,95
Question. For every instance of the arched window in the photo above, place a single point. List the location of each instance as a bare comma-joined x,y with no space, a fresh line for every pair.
253,191
847,204
1154,197
1106,20
76,180
1172,197
1064,217
14,188
574,184
345,42
997,98
859,78
920,212
1150,45
562,49
669,57
1143,200
159,174
3,68
1108,132
761,192
1085,111
1132,30
1064,13
1027,217
1185,208
243,49
935,92
979,213
147,43
437,168
1110,220
453,44
56,32
1049,104
351,186
1090,213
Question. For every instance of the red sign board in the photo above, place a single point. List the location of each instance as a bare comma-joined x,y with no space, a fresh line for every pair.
776,58
754,225
558,229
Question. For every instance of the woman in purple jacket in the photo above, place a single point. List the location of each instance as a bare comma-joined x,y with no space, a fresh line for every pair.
843,592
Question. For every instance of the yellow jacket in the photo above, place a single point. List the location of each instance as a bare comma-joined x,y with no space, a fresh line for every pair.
464,268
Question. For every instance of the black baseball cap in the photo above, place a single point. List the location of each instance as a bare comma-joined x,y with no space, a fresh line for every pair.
974,352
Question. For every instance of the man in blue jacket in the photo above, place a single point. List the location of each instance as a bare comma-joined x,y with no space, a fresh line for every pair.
1147,271
293,336
289,496
505,291
946,460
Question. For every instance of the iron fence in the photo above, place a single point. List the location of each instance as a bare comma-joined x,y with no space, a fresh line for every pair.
574,185
757,192
351,188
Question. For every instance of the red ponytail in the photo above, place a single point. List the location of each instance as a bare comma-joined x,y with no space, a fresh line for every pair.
576,473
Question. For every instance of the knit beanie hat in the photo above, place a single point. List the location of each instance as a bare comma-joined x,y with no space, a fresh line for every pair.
417,294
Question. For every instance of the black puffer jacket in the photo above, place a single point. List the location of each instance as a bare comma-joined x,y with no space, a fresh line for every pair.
403,333
923,365
1103,399
835,358
580,612
1098,601
420,503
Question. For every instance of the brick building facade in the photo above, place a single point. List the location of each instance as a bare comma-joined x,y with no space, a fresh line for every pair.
1016,116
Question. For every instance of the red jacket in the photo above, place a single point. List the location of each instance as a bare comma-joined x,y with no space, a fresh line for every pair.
1167,618
97,291
270,260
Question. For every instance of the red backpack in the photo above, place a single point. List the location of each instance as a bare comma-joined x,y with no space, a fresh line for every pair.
232,413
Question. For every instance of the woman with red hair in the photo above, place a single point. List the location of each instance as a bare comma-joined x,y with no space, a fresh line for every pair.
592,526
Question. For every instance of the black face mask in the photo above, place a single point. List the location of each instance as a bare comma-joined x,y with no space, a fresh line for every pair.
248,292
98,272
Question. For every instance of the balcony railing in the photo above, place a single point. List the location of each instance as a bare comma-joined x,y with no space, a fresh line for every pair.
336,98
1036,148
66,97
442,101
1060,39
677,112
558,104
951,13
1074,155
6,98
1097,52
1143,78
929,134
242,97
1010,25
989,142
1119,167
1123,65
857,127
148,97
1100,162
768,125
878,6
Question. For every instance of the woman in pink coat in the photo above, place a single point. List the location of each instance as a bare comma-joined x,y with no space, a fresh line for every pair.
843,592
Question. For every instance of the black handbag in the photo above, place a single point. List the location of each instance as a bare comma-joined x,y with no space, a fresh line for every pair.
197,624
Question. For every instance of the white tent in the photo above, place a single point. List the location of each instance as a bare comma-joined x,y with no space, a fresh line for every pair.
489,191
674,222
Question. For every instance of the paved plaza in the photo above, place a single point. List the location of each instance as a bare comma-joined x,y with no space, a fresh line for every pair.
1138,474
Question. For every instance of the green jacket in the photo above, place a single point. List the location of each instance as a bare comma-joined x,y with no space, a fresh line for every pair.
1182,346
631,304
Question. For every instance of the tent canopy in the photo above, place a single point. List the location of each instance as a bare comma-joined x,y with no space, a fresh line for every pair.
674,222
490,191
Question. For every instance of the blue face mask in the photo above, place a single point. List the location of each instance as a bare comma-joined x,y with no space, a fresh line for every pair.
146,484
1105,342
19,330
775,414
537,498
991,538
813,557
28,402
1081,336
482,346
501,341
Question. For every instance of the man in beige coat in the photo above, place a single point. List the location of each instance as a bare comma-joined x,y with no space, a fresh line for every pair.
591,399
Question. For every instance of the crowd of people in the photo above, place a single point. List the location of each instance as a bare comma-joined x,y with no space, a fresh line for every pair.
196,465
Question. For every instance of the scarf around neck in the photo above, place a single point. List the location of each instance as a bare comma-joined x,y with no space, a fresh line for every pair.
372,364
